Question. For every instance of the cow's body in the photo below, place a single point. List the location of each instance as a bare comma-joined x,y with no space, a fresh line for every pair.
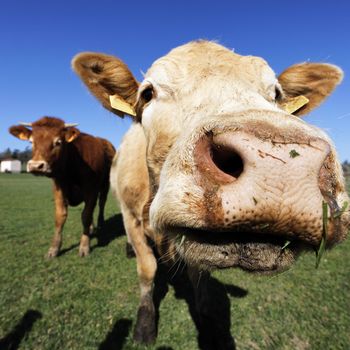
79,170
217,173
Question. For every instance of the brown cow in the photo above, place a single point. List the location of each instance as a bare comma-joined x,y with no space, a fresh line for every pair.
218,168
79,166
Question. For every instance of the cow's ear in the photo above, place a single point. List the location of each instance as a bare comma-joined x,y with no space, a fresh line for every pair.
107,76
71,134
315,81
21,132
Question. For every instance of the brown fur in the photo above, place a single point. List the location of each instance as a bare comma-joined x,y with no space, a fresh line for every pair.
315,81
106,77
49,122
79,167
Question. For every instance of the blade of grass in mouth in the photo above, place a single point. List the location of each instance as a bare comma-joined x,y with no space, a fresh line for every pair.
322,245
286,244
182,241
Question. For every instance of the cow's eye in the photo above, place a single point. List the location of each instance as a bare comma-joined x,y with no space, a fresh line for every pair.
147,94
57,142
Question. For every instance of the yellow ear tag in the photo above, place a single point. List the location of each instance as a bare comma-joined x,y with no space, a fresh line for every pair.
295,103
72,138
23,136
121,105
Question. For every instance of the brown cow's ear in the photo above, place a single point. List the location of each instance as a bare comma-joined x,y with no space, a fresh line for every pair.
315,81
71,134
20,132
106,76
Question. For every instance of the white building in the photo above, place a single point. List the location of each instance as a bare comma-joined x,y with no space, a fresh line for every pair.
10,166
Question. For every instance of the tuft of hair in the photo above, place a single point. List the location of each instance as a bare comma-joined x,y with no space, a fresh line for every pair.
51,122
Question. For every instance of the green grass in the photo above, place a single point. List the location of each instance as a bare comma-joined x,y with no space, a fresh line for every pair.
90,303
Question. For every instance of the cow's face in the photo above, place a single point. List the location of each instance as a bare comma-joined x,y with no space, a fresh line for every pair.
49,137
235,177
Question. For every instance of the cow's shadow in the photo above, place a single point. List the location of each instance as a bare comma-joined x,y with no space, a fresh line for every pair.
13,339
115,339
111,229
213,327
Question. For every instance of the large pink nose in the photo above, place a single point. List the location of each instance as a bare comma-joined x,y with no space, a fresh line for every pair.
225,158
260,182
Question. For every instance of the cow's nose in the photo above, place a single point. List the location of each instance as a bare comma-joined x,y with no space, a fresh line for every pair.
34,166
230,157
256,181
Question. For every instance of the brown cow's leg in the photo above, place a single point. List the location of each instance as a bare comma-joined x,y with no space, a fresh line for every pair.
60,219
145,328
102,203
87,217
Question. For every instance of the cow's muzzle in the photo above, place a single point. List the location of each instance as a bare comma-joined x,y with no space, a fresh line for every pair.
248,182
38,167
247,196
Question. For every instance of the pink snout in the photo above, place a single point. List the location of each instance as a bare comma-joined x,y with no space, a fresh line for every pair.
262,183
250,197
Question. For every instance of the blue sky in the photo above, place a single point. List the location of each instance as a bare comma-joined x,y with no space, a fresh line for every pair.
39,38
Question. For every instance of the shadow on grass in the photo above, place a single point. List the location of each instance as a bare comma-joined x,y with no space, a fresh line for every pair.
12,340
111,229
66,250
115,339
214,325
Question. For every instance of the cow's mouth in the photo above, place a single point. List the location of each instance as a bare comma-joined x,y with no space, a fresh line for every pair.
47,173
250,251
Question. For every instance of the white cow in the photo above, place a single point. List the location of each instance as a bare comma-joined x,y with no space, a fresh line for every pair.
218,168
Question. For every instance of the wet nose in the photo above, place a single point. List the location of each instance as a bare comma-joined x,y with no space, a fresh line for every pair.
35,166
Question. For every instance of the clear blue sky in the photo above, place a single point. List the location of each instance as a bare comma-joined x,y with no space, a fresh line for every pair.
39,38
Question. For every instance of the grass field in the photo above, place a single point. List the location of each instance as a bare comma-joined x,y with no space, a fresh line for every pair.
91,303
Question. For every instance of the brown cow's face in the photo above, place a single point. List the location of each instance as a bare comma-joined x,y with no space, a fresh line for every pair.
235,177
49,137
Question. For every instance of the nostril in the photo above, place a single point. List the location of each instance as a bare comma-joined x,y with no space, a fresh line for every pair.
217,161
227,160
40,166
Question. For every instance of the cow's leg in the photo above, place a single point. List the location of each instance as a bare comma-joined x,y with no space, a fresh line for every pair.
129,250
61,212
87,217
145,328
102,203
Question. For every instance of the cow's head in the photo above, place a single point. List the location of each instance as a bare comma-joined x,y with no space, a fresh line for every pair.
49,137
239,178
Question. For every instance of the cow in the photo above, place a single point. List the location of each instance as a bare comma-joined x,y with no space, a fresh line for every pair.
79,166
218,168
